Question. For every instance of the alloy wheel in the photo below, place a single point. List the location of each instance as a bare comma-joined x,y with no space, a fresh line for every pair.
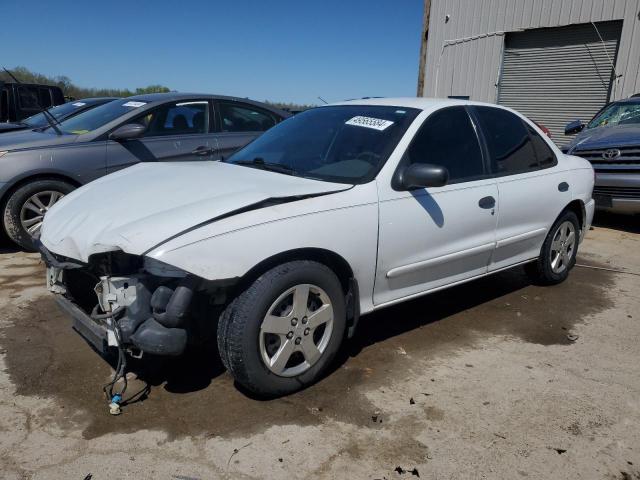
296,330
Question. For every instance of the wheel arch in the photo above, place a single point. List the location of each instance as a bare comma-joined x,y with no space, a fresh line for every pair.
34,178
28,179
578,207
330,259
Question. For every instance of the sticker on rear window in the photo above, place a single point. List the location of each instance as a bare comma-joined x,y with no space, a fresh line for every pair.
133,104
78,104
370,122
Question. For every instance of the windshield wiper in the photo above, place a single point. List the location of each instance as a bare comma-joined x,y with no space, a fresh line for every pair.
269,166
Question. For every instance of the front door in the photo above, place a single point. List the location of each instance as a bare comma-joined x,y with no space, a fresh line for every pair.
176,131
433,237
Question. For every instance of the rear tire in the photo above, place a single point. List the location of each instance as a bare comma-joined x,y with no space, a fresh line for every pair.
26,207
282,332
558,252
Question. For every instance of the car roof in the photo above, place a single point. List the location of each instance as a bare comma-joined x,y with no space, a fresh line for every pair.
423,103
171,96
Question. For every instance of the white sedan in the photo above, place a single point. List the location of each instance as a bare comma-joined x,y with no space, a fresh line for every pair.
332,214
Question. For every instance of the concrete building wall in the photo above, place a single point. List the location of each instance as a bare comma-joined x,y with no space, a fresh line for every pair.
464,53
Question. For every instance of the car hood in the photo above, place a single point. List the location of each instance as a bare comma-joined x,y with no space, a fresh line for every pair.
141,207
604,137
10,127
24,139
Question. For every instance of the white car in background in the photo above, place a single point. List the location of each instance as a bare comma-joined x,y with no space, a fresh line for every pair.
332,214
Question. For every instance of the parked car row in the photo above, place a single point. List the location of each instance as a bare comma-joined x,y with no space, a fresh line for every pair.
40,166
276,250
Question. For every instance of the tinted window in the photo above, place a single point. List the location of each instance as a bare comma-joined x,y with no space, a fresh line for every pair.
448,138
236,118
182,118
510,147
4,105
342,143
545,155
28,98
45,97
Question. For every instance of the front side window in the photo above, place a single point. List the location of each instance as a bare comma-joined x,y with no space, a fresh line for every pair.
447,138
510,148
617,114
244,118
181,118
342,143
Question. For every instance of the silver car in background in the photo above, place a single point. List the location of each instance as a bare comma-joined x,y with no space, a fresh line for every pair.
37,168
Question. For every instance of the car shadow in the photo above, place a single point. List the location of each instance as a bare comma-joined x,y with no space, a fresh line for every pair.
617,221
198,367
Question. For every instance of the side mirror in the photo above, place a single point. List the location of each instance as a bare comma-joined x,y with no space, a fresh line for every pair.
127,132
421,175
573,127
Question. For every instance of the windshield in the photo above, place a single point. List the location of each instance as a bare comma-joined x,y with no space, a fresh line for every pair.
617,114
39,120
88,121
344,143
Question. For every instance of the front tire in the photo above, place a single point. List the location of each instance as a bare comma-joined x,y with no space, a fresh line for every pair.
558,252
25,209
282,332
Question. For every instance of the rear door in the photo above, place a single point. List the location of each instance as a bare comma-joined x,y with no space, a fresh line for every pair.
532,188
175,131
436,236
240,123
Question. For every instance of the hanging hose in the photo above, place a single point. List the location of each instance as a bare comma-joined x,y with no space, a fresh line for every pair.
114,399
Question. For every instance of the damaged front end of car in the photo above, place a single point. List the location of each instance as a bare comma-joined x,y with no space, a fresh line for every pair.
133,302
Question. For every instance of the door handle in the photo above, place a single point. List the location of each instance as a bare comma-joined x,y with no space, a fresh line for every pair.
202,151
487,202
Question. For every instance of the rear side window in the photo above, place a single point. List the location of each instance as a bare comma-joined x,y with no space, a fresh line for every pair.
510,147
545,155
447,138
244,118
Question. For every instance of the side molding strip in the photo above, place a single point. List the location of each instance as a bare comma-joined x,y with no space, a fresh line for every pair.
412,267
519,238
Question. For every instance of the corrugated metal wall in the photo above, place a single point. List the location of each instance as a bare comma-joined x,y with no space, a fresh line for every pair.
464,54
555,75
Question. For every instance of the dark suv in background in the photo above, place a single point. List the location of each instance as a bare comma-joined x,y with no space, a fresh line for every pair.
611,142
38,167
21,100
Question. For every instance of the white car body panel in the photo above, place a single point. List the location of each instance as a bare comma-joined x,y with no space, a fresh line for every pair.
398,244
136,208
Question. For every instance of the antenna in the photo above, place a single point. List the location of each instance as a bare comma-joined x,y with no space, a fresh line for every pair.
323,100
11,75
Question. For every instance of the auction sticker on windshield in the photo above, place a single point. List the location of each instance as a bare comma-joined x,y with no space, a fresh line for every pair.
370,122
133,104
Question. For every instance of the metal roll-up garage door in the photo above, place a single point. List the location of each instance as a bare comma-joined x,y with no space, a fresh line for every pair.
556,75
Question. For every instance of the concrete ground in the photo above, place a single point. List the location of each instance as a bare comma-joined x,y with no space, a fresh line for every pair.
493,379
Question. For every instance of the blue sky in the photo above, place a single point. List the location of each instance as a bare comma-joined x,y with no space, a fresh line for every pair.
281,50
